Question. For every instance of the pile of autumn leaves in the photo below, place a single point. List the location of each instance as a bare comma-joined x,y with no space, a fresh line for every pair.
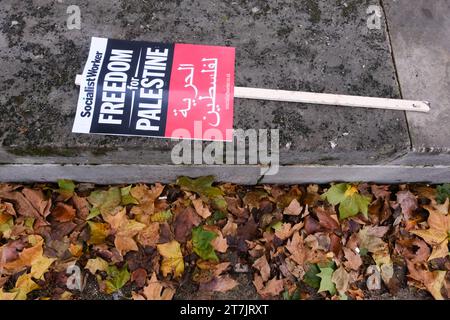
299,242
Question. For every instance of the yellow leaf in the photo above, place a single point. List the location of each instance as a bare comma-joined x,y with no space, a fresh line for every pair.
7,295
99,231
439,251
66,295
125,230
351,190
40,267
172,258
24,285
431,236
76,250
434,283
97,264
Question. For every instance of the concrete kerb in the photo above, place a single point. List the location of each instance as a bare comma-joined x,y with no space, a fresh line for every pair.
246,174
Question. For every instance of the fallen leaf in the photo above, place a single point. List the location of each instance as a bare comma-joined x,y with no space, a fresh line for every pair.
201,208
22,204
183,223
326,284
380,191
41,266
294,208
146,197
253,199
127,198
408,203
341,279
117,278
66,188
98,232
287,230
326,220
96,264
156,291
172,258
201,185
437,234
82,206
230,229
350,201
439,251
125,230
263,267
63,212
7,295
370,239
433,237
297,249
139,276
149,236
354,260
202,243
26,258
219,284
106,200
38,201
272,288
24,285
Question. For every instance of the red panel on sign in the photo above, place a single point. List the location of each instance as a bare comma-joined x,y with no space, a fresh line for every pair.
201,93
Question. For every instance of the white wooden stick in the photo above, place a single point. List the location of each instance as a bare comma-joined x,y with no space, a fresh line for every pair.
331,99
324,98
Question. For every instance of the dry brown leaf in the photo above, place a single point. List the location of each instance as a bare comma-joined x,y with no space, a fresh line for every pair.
219,243
156,291
22,205
380,191
432,281
354,260
125,230
287,230
219,284
81,205
329,222
297,249
26,258
183,223
149,236
146,197
408,203
341,279
201,208
230,229
263,267
63,212
294,208
272,288
38,201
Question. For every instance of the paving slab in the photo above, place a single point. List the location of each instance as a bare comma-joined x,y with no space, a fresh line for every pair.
420,34
321,46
